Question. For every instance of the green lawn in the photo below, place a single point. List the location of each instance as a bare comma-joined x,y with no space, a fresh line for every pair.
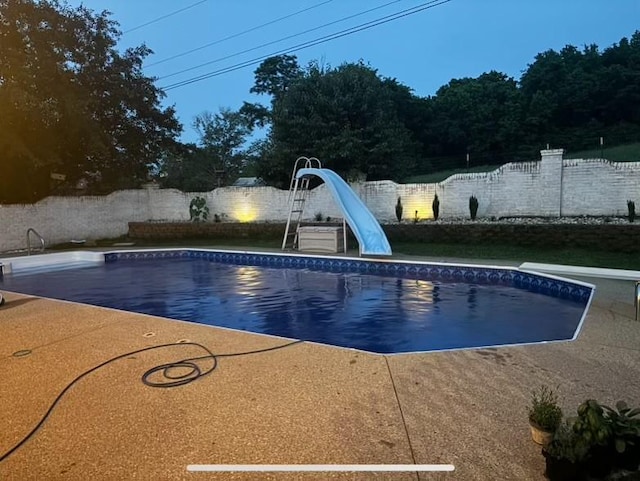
516,254
444,174
567,256
619,153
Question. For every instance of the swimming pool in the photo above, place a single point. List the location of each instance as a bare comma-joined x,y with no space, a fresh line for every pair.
379,306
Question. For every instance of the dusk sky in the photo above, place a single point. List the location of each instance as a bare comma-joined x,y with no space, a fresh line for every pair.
423,50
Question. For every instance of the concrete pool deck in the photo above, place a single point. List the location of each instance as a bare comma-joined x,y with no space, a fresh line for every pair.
303,404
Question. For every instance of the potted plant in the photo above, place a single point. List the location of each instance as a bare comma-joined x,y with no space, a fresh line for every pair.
545,415
565,455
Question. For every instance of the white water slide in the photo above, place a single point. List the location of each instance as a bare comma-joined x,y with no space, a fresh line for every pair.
364,225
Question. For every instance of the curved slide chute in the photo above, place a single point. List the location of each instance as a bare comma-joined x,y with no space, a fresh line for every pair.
364,225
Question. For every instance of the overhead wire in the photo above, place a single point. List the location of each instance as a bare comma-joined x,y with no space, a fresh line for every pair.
236,35
311,43
168,15
288,37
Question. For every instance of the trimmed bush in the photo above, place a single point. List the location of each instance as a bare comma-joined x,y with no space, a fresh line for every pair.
399,210
435,205
473,207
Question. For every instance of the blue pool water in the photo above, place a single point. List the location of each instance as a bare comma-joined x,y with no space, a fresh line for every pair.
416,309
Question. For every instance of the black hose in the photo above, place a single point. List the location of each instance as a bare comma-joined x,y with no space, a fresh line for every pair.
170,372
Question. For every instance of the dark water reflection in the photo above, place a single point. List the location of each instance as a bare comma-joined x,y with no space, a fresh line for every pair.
370,312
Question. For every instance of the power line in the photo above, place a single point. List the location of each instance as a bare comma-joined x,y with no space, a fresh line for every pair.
288,37
165,16
312,43
253,29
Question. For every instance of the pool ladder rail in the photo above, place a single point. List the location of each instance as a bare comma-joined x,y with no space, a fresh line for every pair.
298,195
30,231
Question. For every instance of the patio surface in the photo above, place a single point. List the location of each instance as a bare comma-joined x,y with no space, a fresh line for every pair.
303,404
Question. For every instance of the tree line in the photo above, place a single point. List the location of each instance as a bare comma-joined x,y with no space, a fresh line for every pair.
74,108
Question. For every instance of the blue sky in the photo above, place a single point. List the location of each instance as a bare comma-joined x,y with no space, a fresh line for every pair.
461,38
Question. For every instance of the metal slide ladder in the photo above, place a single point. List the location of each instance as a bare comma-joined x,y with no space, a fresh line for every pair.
298,195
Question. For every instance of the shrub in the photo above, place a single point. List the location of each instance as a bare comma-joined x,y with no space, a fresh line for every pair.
399,210
631,207
544,412
198,210
625,426
473,207
599,441
591,423
567,444
435,205
319,217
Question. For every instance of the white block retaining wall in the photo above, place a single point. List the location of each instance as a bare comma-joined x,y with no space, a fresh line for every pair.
549,187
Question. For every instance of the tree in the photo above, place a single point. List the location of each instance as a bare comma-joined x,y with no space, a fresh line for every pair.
572,97
273,77
481,116
72,104
222,137
219,158
349,117
188,169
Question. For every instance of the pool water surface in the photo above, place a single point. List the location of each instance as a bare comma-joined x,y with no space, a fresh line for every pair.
362,308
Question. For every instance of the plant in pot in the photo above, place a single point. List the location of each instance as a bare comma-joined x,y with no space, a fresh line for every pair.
545,415
625,435
565,455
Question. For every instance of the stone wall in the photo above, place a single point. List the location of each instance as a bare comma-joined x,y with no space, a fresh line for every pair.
605,237
613,237
202,230
550,187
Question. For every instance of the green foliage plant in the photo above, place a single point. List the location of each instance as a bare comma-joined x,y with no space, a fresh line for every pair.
198,210
399,210
319,217
435,206
592,424
544,411
625,426
473,207
567,444
631,207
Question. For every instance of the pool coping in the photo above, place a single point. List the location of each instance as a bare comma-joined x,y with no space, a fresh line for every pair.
465,408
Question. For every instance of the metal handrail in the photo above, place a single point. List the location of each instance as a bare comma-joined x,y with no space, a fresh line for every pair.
308,163
32,230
